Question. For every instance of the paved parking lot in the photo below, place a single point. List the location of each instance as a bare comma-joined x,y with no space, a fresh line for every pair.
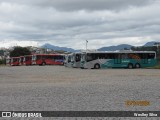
40,88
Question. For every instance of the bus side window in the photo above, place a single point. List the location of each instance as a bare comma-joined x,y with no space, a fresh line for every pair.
110,56
124,56
151,56
90,57
102,56
55,57
144,56
117,56
61,57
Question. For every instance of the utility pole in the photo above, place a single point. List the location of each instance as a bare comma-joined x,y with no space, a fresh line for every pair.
86,44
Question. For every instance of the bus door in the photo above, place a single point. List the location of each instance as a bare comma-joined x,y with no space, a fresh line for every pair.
117,59
145,59
78,59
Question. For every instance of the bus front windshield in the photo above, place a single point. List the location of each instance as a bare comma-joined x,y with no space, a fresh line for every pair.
72,58
24,59
20,59
34,57
8,61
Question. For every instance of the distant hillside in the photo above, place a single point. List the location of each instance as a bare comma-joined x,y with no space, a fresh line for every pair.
110,48
49,46
113,48
150,43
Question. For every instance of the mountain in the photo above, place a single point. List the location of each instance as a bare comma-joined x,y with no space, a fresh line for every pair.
114,48
150,43
49,46
109,48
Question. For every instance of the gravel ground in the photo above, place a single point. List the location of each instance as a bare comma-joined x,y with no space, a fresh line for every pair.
57,88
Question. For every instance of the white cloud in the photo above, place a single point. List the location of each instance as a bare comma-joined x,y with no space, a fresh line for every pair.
11,43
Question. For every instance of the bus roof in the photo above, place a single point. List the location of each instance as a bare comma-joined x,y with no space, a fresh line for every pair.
27,55
15,57
48,54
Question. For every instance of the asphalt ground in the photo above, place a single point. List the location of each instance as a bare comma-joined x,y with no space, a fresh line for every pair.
57,88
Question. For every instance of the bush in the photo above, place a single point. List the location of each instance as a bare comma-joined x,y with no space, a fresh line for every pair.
157,67
2,61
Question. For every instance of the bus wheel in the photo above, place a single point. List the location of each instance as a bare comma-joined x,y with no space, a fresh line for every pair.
137,65
43,63
96,66
130,66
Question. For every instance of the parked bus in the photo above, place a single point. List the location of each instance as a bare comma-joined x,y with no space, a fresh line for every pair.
48,59
15,61
118,59
68,60
8,61
76,60
21,59
27,60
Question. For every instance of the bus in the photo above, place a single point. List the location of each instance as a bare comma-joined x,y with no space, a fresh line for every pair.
68,60
27,60
76,60
48,59
21,60
15,61
118,59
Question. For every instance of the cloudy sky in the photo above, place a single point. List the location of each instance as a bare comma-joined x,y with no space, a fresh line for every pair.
68,23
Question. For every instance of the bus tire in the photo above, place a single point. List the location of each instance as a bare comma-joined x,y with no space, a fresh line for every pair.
137,65
130,65
96,66
43,63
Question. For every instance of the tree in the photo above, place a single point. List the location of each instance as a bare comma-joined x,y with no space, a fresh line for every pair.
1,52
20,51
2,61
144,48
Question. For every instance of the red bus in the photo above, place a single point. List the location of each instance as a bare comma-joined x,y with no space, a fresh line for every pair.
27,60
21,60
48,59
15,61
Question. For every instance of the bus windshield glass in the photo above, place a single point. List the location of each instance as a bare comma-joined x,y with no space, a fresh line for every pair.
34,57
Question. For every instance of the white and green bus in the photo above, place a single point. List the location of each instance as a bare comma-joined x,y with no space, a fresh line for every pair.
118,59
